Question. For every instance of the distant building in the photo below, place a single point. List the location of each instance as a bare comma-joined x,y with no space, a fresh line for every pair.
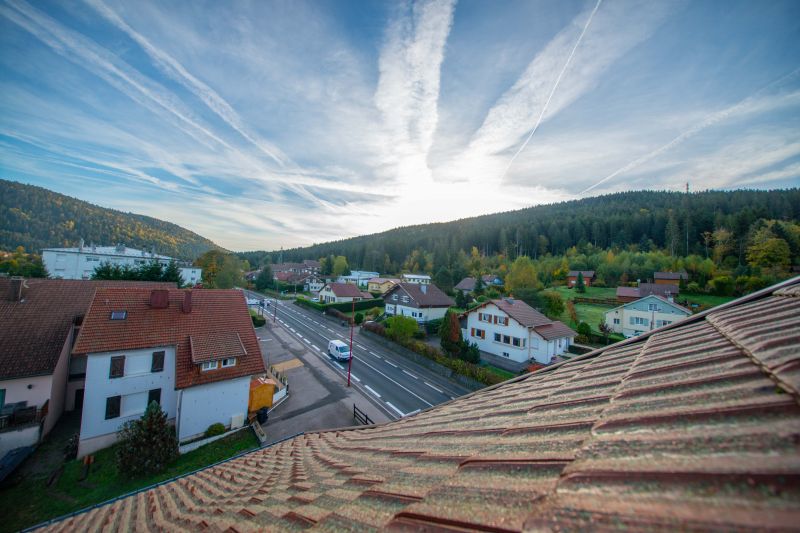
588,277
193,352
670,278
381,285
630,294
358,277
467,284
80,262
512,330
341,293
421,301
644,314
39,319
306,267
420,279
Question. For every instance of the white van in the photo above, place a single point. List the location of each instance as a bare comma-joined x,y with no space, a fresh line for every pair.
339,350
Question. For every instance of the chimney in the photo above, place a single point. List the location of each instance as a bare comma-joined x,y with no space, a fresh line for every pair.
80,245
17,286
159,298
187,302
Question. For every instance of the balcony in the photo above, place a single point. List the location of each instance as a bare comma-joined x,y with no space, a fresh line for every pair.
14,416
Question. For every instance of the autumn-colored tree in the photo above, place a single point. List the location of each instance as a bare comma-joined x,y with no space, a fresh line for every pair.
522,275
450,334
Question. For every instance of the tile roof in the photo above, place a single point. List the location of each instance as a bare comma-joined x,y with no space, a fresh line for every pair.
33,332
646,289
671,275
529,317
466,284
215,315
586,273
347,290
691,427
215,346
425,295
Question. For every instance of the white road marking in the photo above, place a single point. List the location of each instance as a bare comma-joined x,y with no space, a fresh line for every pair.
409,373
394,365
411,392
371,390
315,347
306,341
415,411
434,388
337,364
293,330
354,377
360,346
398,411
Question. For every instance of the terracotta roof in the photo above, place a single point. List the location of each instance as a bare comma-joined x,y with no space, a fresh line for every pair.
555,330
691,427
646,289
290,277
627,292
215,315
33,332
215,346
347,290
425,295
586,273
529,317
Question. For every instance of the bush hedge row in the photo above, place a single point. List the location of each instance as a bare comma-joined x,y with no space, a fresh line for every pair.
361,305
456,365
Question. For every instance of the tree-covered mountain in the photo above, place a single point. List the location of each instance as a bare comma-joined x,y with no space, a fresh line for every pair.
37,218
677,222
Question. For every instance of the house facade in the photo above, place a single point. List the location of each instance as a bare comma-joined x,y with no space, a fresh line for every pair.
358,277
381,285
80,262
670,278
422,302
419,279
588,277
313,284
644,314
468,284
631,294
334,293
193,352
513,330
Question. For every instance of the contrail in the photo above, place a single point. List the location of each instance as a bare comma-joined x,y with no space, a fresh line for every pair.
710,120
553,90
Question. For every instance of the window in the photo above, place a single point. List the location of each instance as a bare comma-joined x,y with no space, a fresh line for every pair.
652,307
616,321
479,333
516,342
209,365
502,320
119,315
230,361
506,339
394,297
157,365
639,321
505,354
154,396
405,299
497,337
112,407
117,368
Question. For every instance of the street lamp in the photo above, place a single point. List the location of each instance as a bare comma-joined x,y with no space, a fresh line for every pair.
350,361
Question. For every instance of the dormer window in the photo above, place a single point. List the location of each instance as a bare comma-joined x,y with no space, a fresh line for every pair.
119,315
229,362
209,365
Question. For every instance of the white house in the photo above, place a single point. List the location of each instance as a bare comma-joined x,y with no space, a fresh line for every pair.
342,292
80,262
358,277
644,314
193,352
422,302
313,284
420,279
513,330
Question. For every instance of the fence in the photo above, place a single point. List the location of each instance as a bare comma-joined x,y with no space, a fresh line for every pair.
361,417
22,416
596,301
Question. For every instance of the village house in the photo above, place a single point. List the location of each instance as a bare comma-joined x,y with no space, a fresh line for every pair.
193,352
420,279
358,277
381,285
420,301
513,331
467,284
588,277
39,320
342,292
644,314
670,278
630,294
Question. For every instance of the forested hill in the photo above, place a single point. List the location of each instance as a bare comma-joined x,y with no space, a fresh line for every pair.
646,218
38,218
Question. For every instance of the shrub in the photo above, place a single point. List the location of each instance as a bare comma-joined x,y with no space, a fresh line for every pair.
693,287
215,429
358,318
258,321
401,327
584,329
148,445
71,447
721,286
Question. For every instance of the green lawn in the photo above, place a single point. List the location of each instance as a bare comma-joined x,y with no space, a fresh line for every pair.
707,300
504,374
32,502
591,292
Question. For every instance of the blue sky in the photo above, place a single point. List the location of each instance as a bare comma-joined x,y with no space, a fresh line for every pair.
268,124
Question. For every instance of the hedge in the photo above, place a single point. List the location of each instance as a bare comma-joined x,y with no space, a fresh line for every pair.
361,305
456,365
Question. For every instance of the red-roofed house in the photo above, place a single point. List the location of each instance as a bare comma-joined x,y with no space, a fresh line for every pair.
194,352
421,301
513,330
588,277
342,292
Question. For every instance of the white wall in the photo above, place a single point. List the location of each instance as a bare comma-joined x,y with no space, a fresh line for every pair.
59,386
191,275
17,390
420,315
520,354
81,264
27,436
133,387
203,405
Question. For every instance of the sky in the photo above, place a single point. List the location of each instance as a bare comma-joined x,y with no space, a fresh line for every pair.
271,124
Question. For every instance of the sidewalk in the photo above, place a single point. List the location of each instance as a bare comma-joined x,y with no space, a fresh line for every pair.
318,396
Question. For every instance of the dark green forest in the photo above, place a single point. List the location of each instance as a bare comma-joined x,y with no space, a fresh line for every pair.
37,218
678,223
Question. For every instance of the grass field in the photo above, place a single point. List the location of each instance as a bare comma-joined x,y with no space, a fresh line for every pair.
591,292
707,300
31,501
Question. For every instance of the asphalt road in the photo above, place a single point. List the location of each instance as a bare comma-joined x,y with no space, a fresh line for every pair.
396,385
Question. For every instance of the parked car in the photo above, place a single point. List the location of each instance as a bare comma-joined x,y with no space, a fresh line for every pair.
339,350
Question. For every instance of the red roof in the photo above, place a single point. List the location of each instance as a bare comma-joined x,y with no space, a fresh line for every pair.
347,290
216,316
428,295
33,331
692,427
529,317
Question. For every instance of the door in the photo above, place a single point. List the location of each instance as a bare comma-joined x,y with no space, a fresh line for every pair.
79,399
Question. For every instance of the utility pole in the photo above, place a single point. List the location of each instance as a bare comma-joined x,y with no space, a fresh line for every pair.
350,361
275,312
